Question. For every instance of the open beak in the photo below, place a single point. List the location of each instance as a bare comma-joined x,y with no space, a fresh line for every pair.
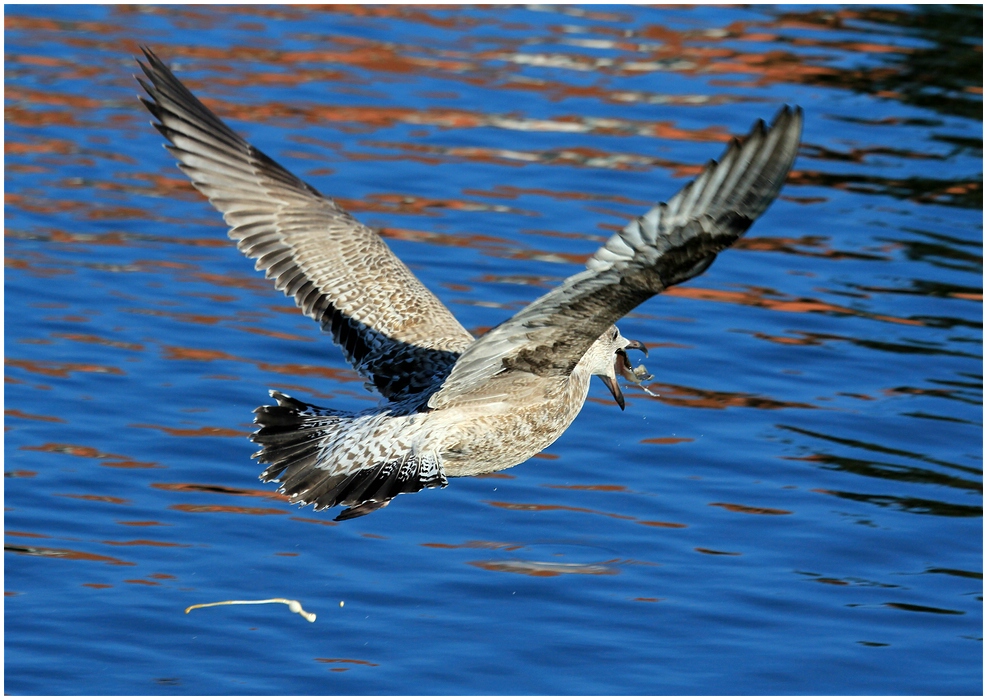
614,387
622,368
637,345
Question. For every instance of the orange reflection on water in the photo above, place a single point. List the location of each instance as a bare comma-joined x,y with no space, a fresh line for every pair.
757,297
106,459
589,487
202,355
356,662
144,543
97,340
701,398
20,474
225,490
14,413
13,533
239,510
280,335
93,497
68,554
60,369
314,521
659,523
539,507
665,441
205,431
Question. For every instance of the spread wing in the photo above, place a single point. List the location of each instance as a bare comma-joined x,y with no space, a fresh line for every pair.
393,330
672,243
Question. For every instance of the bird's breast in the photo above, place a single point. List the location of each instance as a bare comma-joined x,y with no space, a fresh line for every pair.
488,438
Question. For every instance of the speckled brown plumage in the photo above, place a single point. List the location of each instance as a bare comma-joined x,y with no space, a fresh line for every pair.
453,406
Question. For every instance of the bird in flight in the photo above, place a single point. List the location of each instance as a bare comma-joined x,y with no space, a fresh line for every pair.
452,405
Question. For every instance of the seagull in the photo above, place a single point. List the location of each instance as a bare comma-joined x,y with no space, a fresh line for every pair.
451,404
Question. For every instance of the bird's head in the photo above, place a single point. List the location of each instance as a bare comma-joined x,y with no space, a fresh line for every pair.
607,358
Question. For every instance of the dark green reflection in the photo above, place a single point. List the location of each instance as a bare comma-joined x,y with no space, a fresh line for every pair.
942,77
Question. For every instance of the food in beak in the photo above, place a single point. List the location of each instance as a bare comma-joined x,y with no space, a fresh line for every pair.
622,368
622,365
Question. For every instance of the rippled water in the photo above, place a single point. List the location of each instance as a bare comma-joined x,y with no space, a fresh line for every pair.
798,511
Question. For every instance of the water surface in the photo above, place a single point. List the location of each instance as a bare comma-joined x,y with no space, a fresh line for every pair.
798,511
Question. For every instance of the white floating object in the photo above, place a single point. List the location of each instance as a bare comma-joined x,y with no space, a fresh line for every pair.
293,605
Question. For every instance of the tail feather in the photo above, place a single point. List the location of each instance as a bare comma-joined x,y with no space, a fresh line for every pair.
295,439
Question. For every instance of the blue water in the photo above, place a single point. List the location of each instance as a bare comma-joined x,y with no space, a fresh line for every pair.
799,511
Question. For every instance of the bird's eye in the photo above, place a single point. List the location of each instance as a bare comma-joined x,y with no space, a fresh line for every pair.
615,334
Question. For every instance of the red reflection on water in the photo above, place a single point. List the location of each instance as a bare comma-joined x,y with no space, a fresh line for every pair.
33,118
752,510
226,490
512,192
296,370
701,398
144,543
60,369
665,441
97,340
205,431
757,297
106,459
805,246
202,355
13,533
142,523
659,523
59,27
20,474
14,413
94,497
199,508
314,521
358,662
68,554
274,334
588,487
197,355
547,507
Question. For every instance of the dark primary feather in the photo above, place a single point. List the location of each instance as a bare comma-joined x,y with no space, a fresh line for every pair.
340,273
670,244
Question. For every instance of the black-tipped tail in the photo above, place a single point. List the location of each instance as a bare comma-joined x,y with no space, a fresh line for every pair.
298,439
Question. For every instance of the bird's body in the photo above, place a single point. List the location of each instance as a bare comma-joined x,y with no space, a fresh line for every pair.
452,405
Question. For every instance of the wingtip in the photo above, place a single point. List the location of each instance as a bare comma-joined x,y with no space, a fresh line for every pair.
788,112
